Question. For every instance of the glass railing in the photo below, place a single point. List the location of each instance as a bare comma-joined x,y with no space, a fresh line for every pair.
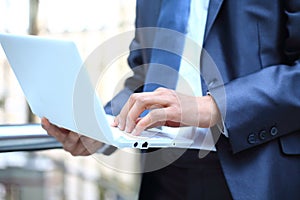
25,137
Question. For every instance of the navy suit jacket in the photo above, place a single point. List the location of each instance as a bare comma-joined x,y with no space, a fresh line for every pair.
256,47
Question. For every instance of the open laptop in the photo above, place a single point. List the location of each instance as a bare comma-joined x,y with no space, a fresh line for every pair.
49,71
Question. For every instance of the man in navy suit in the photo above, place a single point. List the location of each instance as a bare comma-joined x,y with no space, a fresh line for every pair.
256,48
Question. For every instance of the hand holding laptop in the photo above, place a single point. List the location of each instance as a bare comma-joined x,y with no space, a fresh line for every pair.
76,144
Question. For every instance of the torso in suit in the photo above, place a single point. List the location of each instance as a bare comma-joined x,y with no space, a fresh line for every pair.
256,47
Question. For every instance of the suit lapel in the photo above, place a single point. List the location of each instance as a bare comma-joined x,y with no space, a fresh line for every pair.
213,10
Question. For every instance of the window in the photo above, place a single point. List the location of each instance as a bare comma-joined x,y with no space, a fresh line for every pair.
54,174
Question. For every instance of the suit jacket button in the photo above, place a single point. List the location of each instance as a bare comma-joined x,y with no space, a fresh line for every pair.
252,138
274,131
262,135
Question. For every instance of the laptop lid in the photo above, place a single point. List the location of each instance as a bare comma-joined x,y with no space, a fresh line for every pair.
47,70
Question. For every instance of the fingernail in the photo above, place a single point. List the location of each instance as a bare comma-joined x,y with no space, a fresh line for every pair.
114,124
133,132
120,126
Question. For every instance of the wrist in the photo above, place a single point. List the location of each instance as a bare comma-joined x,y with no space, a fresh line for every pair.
214,111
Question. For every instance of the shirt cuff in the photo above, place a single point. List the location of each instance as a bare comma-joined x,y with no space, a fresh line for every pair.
220,125
222,128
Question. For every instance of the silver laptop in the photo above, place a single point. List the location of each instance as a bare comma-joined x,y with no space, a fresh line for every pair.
49,71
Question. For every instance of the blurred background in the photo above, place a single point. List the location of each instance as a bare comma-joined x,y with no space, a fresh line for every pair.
55,174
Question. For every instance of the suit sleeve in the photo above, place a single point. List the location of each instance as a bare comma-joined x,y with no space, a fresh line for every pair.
132,84
139,56
270,96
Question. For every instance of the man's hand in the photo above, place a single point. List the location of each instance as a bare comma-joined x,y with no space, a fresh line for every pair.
72,142
167,107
